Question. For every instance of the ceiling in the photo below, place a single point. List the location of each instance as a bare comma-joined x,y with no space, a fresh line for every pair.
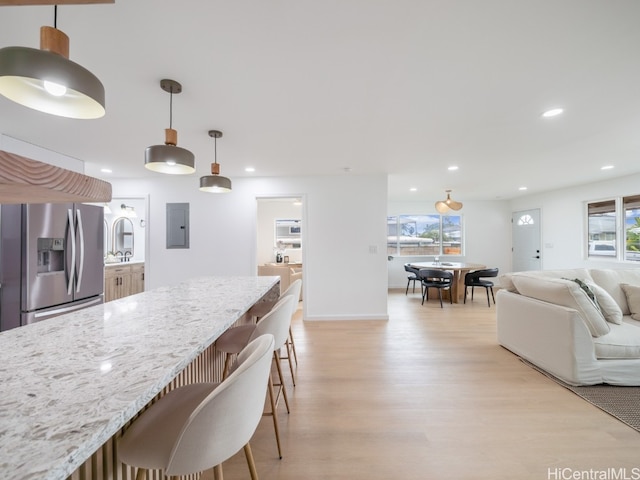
347,87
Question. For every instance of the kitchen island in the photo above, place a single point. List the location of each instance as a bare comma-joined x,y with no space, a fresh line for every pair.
71,383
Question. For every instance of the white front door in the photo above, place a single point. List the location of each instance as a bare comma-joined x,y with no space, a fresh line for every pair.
526,252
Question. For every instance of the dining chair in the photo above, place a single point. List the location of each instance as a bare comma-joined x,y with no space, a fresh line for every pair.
475,279
411,278
276,323
439,279
199,426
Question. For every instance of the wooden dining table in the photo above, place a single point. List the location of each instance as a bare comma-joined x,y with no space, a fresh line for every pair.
459,270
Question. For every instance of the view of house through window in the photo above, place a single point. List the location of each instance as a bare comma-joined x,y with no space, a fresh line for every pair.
434,234
631,207
602,228
605,220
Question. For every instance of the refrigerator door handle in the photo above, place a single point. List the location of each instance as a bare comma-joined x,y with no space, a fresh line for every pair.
81,241
59,311
72,237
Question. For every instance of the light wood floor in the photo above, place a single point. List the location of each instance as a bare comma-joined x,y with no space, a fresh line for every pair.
429,395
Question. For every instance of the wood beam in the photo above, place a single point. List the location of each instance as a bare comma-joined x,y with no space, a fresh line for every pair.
51,2
23,180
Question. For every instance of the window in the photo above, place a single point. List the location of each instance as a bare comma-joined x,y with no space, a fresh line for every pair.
413,235
602,228
631,207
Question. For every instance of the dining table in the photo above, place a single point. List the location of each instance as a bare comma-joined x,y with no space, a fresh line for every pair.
459,270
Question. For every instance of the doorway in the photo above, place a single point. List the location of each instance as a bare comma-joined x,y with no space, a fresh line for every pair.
526,253
279,229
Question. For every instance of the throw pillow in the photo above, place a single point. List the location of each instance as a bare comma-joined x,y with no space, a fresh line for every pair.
585,288
632,292
608,306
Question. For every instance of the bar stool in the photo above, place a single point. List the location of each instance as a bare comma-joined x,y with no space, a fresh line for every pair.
293,290
277,323
198,426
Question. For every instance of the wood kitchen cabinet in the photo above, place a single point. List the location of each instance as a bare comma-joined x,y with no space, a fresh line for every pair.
121,280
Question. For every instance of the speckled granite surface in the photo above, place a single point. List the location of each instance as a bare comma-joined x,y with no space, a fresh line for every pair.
69,383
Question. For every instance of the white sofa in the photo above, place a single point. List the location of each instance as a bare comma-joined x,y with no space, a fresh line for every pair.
548,319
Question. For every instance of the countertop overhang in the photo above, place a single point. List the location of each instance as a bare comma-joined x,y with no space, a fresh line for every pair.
70,383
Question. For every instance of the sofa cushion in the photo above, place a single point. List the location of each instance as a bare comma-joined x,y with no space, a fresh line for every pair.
608,306
566,293
506,283
632,293
506,279
623,341
610,280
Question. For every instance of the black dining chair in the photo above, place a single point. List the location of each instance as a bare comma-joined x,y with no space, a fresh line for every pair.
439,279
475,279
411,278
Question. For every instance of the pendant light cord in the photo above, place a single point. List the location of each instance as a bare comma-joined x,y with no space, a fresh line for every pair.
55,16
171,107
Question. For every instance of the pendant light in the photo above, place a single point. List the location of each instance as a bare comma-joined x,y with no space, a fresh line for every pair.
215,183
169,158
46,80
448,204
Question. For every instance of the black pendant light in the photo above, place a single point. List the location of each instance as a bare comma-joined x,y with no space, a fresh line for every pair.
46,80
169,158
215,183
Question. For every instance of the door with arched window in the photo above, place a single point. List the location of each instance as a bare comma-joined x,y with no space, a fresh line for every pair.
526,240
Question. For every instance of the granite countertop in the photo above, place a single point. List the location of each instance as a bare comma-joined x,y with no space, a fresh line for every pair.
70,383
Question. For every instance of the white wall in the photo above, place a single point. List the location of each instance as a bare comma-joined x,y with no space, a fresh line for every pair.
486,231
343,220
34,152
563,220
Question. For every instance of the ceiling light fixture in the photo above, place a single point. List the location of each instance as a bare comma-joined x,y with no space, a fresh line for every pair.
453,168
445,205
607,167
47,81
215,183
553,112
169,158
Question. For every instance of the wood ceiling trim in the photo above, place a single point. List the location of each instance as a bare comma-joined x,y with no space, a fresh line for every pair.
23,180
51,2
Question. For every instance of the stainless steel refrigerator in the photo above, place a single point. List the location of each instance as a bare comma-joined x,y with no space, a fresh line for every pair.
51,261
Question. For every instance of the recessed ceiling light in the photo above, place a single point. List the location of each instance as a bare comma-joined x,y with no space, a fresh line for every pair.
347,169
522,188
106,170
413,189
249,169
553,112
607,167
452,168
